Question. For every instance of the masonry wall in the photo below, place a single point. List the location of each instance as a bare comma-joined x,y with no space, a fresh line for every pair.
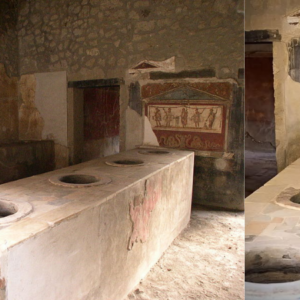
103,39
273,15
8,106
8,36
8,71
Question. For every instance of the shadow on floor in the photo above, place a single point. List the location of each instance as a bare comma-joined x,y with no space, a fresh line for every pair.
206,261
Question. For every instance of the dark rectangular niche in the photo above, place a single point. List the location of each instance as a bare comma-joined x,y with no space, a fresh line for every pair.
260,36
204,73
95,83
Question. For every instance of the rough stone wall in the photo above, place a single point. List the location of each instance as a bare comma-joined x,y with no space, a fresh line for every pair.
100,39
8,70
274,15
8,106
103,38
8,36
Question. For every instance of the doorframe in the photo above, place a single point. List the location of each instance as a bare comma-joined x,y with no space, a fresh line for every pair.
75,101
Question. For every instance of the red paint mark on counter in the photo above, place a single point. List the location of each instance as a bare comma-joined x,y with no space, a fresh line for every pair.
141,208
2,284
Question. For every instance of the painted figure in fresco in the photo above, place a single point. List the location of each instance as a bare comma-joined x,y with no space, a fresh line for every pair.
168,117
184,117
210,119
196,117
157,117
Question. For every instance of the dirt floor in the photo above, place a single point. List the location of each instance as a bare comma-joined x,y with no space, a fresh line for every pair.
206,261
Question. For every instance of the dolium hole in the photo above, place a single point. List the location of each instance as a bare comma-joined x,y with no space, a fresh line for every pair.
79,179
128,162
6,210
273,275
296,198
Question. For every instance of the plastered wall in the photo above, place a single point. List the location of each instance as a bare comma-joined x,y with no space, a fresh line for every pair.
268,15
43,111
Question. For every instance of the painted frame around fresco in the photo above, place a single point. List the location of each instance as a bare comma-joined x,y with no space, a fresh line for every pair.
199,125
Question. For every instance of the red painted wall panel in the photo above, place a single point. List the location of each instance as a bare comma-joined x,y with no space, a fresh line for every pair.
101,113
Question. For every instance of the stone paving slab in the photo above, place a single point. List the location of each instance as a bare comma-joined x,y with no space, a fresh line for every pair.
269,223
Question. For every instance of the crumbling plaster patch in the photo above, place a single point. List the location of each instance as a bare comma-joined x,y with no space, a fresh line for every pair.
134,129
149,136
279,61
51,101
43,111
292,120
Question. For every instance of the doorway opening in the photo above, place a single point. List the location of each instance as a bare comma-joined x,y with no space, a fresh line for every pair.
101,122
94,114
260,146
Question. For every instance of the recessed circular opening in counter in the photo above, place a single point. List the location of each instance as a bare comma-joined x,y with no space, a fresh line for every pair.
272,273
79,180
12,211
125,162
7,209
295,198
272,265
289,198
154,151
277,274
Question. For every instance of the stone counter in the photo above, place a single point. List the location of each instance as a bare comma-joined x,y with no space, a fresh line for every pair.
94,241
273,235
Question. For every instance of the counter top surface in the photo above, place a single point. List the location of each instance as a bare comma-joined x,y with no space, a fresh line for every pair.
268,223
53,204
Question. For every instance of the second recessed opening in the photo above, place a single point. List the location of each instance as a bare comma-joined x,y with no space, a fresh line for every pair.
281,274
79,179
296,198
128,162
154,152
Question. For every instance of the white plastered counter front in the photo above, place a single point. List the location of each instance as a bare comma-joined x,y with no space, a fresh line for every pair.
95,229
